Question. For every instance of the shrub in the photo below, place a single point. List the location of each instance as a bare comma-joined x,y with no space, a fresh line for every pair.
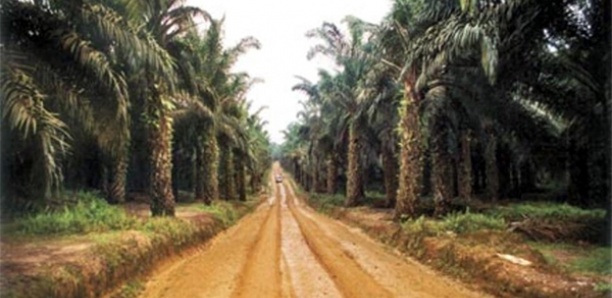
422,226
577,258
90,213
598,260
326,203
374,198
545,211
222,210
470,222
455,222
168,227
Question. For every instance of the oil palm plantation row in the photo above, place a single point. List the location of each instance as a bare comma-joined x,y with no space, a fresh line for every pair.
460,99
110,94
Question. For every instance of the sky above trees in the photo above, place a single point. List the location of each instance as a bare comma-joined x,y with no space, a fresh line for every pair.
280,26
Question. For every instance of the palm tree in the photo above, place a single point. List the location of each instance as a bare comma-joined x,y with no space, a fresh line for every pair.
233,135
323,132
62,64
382,116
258,160
312,125
163,21
474,35
410,159
205,68
348,91
294,151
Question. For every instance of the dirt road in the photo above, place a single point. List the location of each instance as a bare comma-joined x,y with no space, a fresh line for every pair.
285,249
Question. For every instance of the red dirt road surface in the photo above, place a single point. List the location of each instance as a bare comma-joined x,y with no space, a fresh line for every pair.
285,249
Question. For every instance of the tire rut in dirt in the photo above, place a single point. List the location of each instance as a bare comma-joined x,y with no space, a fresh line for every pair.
349,277
400,276
213,271
261,275
306,275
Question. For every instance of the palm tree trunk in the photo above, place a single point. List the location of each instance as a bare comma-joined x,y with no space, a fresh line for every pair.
304,178
104,184
159,139
465,167
240,176
389,175
199,172
118,175
331,175
210,160
492,172
504,166
255,182
176,167
442,164
354,185
411,151
297,172
315,175
526,177
226,173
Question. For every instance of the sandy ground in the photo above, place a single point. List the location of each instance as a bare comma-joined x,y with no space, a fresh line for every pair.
285,249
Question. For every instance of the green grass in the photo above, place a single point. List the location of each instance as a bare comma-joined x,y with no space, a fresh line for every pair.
90,213
422,226
604,287
374,198
131,290
583,259
88,218
545,211
87,212
173,228
459,223
598,261
471,222
222,210
325,203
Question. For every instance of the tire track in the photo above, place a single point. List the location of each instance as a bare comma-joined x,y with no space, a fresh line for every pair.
398,276
213,271
348,276
306,274
261,276
285,249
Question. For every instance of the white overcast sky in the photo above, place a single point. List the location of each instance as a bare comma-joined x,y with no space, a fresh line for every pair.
280,26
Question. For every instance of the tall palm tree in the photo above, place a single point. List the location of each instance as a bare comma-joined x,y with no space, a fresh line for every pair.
294,151
325,132
258,154
205,68
62,64
348,91
163,21
233,135
447,35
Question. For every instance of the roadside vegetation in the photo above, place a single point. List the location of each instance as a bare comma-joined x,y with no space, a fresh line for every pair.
89,247
463,129
88,212
559,242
